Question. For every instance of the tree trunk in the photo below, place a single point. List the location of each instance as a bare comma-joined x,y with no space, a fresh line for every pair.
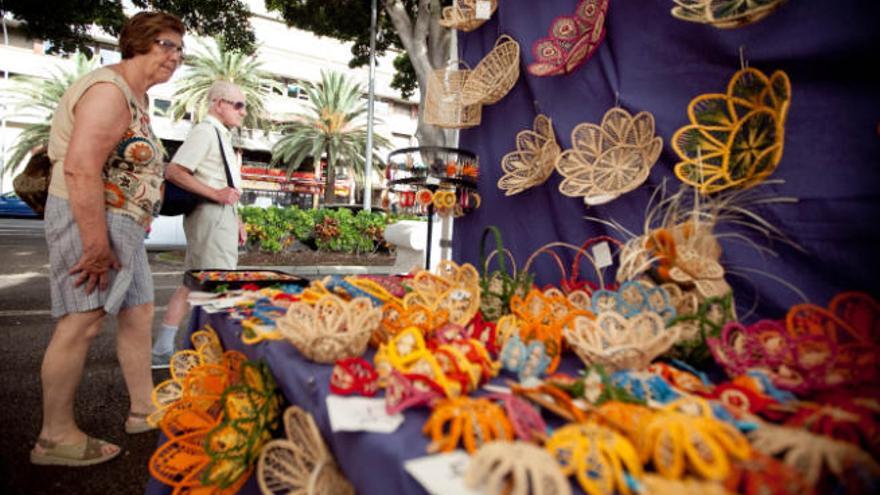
330,184
427,44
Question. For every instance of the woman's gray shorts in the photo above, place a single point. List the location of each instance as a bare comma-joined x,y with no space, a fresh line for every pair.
131,286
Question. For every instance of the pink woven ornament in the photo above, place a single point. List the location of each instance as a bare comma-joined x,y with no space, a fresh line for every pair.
572,41
527,422
802,363
403,391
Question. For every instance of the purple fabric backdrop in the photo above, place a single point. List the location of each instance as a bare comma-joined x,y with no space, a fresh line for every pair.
658,63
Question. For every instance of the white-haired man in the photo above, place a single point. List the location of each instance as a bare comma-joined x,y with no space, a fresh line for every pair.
213,230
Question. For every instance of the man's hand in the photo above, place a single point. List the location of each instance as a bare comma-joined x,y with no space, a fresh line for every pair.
227,196
242,233
94,266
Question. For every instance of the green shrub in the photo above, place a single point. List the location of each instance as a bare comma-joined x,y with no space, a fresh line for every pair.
273,229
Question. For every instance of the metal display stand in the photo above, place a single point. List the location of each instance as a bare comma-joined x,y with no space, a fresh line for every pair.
439,168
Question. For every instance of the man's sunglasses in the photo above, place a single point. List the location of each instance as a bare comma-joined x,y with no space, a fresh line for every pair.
170,46
238,105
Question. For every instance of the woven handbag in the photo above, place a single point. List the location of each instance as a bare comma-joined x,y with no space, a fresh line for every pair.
495,75
499,286
443,99
462,15
32,184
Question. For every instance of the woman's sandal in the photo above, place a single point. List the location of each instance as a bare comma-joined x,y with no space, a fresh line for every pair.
86,453
137,423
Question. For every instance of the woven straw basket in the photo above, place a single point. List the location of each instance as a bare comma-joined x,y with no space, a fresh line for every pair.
495,75
443,105
462,15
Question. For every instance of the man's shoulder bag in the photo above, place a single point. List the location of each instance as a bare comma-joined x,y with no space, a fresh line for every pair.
179,201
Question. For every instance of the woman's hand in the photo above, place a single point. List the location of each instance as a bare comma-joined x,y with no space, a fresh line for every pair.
94,266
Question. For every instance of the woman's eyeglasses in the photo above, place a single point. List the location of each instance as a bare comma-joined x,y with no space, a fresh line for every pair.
170,46
238,105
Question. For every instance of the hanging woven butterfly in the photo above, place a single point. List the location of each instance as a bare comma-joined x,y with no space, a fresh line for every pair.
734,139
532,162
572,40
609,160
724,13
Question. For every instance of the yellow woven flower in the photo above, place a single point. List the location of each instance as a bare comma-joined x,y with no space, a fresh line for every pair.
734,139
610,160
724,13
532,162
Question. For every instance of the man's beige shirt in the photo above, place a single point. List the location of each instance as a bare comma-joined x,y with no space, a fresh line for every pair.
200,154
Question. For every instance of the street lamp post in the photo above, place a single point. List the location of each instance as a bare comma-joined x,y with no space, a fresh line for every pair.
3,106
371,96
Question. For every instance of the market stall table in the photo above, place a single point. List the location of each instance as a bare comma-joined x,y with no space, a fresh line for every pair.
372,462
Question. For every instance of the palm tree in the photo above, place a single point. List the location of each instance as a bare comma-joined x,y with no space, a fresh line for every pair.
215,63
36,98
334,123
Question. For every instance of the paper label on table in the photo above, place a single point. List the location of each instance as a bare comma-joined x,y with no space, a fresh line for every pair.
432,181
361,414
498,389
441,474
602,255
484,9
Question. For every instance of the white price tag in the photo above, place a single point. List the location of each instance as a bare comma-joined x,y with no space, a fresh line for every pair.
602,255
432,181
484,9
360,414
441,474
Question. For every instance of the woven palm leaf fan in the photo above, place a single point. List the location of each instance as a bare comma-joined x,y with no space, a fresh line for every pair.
734,139
518,468
609,160
533,161
724,14
300,464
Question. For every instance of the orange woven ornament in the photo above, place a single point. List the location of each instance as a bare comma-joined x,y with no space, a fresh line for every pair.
734,139
472,422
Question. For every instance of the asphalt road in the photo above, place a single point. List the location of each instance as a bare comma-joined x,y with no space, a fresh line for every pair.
101,401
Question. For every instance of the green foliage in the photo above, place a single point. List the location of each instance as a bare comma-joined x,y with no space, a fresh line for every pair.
273,229
334,122
338,230
37,98
404,76
218,62
349,20
66,25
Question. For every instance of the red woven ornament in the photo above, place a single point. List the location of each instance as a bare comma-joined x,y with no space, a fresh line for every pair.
572,40
764,475
484,332
851,323
740,399
841,417
354,376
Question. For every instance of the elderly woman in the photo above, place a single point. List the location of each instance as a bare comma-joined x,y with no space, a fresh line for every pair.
106,186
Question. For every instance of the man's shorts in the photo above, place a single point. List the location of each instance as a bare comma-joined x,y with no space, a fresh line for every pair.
211,237
130,286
